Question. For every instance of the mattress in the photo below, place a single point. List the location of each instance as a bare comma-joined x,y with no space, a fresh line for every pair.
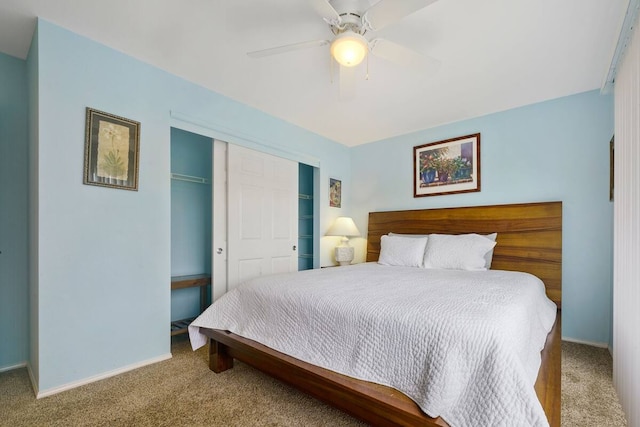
464,345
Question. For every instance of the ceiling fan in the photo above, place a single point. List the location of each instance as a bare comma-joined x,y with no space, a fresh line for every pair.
353,22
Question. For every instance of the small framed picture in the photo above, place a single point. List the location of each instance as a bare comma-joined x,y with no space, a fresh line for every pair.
612,150
335,193
111,149
447,167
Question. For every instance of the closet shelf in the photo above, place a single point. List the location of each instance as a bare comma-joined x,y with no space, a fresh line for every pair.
190,178
305,256
181,326
305,217
191,281
305,196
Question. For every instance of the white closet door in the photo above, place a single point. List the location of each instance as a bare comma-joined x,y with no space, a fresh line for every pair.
262,214
219,236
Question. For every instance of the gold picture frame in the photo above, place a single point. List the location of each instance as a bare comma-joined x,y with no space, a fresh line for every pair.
111,150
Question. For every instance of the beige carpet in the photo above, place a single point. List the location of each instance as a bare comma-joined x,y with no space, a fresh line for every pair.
588,396
183,392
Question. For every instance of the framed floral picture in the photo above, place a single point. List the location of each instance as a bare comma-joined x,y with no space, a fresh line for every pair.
111,149
447,167
335,193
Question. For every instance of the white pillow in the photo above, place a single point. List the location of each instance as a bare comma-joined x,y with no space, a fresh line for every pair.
402,251
408,235
457,252
488,257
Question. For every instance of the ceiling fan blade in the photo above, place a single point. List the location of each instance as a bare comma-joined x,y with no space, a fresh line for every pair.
387,12
404,56
347,83
326,11
287,48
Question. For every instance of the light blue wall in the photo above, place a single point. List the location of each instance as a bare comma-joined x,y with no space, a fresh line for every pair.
104,255
32,214
190,217
555,150
14,286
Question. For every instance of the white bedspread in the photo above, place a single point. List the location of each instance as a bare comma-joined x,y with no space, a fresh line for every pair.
464,345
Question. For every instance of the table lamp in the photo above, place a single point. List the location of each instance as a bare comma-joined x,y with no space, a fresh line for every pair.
345,227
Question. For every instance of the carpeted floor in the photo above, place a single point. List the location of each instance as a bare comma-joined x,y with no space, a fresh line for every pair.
183,392
588,396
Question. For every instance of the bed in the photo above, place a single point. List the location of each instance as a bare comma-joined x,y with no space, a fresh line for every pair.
529,240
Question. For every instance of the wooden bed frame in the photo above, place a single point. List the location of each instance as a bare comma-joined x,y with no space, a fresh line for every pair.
529,239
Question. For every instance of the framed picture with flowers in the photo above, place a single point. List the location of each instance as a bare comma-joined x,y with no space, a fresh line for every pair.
447,167
335,193
111,149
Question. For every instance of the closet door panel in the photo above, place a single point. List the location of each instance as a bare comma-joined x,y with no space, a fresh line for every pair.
262,214
219,209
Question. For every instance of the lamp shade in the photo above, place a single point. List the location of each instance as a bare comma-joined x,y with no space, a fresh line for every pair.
343,226
349,48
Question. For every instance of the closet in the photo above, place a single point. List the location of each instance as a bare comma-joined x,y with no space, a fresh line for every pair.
227,203
305,217
191,216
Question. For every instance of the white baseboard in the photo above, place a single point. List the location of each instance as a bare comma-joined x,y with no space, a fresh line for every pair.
69,386
12,367
591,343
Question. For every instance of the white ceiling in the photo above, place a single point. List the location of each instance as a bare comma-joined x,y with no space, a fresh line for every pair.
495,54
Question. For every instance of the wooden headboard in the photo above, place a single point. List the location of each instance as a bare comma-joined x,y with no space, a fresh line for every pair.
529,235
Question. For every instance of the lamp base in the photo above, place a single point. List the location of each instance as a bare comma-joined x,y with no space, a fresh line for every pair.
344,254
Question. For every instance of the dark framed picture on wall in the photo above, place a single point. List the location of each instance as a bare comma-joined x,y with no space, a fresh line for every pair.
447,167
335,193
612,152
111,149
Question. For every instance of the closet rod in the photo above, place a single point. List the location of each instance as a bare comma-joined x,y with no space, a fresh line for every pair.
189,178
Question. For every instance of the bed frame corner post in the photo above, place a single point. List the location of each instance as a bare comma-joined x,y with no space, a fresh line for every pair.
219,359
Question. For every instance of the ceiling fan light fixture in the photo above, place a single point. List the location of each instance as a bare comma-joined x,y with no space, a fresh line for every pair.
349,48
